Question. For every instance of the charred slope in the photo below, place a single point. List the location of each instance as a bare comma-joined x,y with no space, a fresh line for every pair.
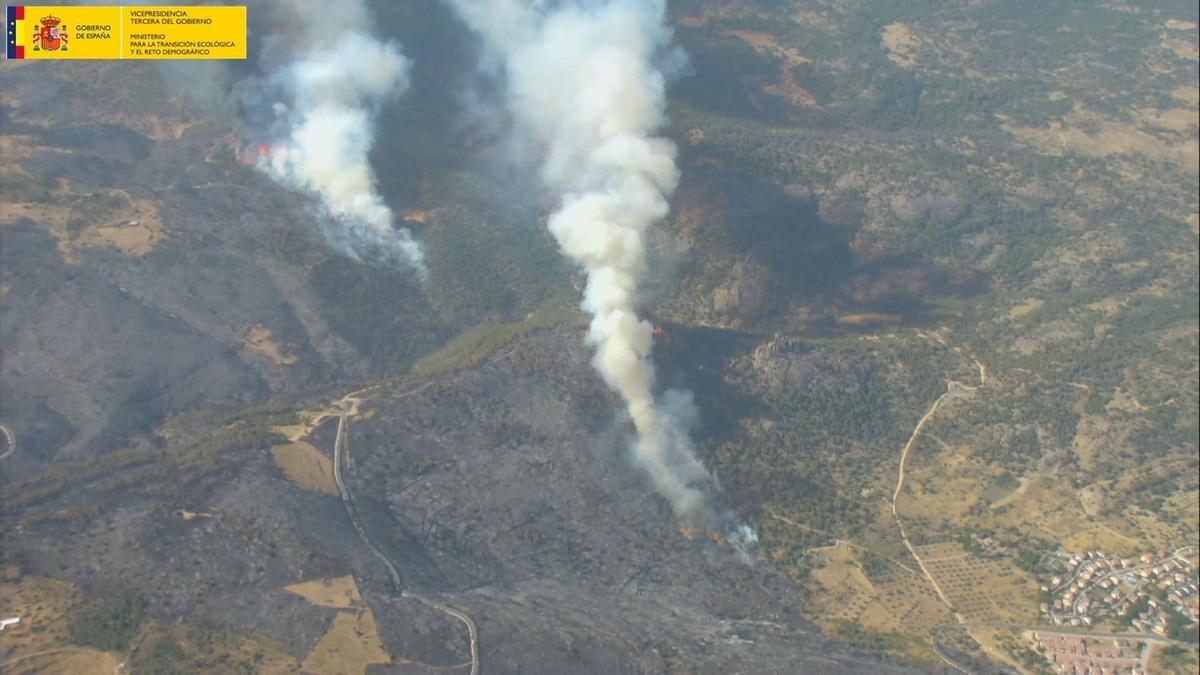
145,272
503,505
492,489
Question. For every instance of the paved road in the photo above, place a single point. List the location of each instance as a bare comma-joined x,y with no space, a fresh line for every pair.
950,662
397,581
348,501
472,632
1082,633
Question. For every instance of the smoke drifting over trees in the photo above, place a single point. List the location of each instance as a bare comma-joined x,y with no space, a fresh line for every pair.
585,84
335,83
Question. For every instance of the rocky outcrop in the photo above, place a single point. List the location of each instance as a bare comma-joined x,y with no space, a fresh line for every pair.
742,296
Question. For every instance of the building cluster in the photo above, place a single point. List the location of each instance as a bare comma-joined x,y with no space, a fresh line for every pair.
1140,592
1078,655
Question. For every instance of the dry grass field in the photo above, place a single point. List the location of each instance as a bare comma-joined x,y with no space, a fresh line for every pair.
305,466
1174,661
348,647
39,644
338,593
947,486
891,598
1161,135
42,604
102,219
352,641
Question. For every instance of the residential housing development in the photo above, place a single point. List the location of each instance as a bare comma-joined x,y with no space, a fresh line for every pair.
1156,592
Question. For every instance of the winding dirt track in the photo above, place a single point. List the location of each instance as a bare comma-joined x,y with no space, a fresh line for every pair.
11,441
397,581
116,667
916,436
952,388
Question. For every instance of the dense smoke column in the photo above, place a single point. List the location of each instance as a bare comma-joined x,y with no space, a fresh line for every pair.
584,84
334,86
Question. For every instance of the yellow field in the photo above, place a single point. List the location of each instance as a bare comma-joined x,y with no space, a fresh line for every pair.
339,593
348,647
352,642
305,466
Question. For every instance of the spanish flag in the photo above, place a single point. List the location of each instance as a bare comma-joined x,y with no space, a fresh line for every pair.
14,26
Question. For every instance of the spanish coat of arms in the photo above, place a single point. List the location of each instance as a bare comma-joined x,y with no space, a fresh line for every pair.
50,36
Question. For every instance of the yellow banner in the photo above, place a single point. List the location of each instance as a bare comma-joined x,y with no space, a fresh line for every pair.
121,32
207,32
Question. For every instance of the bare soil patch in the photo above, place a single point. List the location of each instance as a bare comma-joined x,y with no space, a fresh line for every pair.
1179,38
768,45
1025,308
868,318
1093,135
901,44
261,343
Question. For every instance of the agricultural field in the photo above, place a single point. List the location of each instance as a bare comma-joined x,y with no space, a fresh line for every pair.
352,642
305,466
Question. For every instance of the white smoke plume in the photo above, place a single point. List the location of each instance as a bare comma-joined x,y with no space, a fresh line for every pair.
335,84
584,83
